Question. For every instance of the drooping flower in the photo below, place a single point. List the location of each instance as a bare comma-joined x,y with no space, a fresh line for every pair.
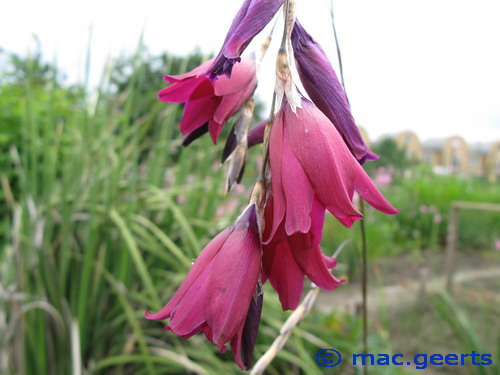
220,295
287,259
252,17
323,87
310,162
209,105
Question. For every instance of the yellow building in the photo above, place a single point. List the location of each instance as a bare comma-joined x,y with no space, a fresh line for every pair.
478,159
448,155
456,155
409,141
452,155
493,162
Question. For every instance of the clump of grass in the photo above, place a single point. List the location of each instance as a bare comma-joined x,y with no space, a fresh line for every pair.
102,214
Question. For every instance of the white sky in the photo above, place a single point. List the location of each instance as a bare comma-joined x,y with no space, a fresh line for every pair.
432,66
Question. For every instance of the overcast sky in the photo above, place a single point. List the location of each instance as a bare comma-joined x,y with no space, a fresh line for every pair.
432,66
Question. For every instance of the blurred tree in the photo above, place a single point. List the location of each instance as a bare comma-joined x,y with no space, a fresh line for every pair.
33,100
391,157
142,74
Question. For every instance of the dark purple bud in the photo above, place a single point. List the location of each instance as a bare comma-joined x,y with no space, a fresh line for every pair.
251,327
230,146
256,134
195,134
252,17
322,85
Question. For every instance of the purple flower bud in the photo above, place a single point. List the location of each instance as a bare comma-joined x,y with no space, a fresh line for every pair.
256,134
246,345
322,85
252,17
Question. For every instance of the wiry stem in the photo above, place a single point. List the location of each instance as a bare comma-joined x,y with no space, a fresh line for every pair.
364,283
339,55
364,255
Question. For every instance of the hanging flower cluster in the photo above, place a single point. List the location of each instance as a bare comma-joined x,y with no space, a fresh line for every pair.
313,152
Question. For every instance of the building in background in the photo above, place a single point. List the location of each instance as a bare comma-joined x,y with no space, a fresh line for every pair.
452,155
409,141
493,163
478,159
447,155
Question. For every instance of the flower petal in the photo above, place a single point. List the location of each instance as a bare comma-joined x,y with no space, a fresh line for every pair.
193,73
232,285
325,159
230,104
298,192
252,17
370,193
286,277
313,264
203,262
198,112
257,16
215,129
181,91
188,317
275,161
243,77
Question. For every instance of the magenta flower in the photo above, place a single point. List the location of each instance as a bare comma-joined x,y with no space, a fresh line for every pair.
383,177
219,295
323,87
310,162
252,17
287,259
209,105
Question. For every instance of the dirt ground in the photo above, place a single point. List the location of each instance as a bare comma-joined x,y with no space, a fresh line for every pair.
405,305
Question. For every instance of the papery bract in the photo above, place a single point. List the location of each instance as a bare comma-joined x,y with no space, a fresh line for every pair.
310,162
209,105
218,295
323,87
252,17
